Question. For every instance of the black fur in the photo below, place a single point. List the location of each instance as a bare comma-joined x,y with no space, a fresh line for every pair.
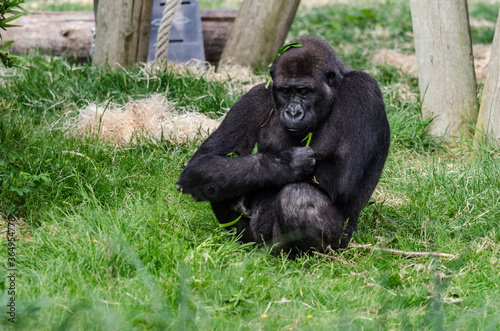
291,196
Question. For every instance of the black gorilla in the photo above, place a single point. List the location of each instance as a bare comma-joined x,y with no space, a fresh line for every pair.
288,195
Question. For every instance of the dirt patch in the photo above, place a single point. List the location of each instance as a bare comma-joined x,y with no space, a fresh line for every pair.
482,55
408,62
16,227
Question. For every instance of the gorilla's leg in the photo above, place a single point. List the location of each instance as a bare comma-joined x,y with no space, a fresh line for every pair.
296,218
265,214
308,219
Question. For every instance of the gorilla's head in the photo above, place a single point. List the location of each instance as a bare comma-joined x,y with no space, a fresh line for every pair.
305,84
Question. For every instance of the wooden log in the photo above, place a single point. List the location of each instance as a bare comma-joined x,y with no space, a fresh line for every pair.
216,26
445,66
489,114
69,34
123,30
259,31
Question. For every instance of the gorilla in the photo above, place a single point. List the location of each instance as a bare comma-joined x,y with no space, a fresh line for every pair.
292,194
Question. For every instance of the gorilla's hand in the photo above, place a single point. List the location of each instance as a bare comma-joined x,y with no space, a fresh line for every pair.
298,161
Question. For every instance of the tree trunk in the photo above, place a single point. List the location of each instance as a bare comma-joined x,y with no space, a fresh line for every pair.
445,66
489,114
259,31
123,29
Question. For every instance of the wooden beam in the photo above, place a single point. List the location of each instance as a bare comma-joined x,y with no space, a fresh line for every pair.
216,26
69,34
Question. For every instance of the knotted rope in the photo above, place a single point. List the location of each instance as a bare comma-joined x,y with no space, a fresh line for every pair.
164,30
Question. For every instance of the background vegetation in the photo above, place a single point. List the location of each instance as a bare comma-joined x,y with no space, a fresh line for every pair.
9,12
108,243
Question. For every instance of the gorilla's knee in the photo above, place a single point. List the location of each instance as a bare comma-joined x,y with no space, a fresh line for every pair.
302,204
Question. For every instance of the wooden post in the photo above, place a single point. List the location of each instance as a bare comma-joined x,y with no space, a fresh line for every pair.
489,114
259,31
445,66
123,29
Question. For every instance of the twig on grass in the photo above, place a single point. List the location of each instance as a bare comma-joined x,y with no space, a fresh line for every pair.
63,306
135,298
404,253
333,257
284,300
80,155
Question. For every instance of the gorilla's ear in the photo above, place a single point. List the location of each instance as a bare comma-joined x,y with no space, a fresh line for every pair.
333,78
271,72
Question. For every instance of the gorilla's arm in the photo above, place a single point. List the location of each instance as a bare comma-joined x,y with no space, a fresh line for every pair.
212,175
357,156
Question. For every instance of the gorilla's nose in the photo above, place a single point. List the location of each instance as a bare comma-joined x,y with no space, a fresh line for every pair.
294,113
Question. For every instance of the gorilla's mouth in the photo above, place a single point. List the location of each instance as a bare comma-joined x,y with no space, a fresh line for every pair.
297,131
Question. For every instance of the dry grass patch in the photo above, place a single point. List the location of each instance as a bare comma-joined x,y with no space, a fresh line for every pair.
150,117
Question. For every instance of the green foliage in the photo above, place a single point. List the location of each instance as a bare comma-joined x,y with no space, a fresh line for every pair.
106,241
483,12
9,12
61,5
354,26
220,4
363,16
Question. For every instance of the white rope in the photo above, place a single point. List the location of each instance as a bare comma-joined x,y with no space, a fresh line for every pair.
164,30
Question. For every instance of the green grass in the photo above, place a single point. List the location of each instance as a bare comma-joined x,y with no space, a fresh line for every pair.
59,5
483,12
108,242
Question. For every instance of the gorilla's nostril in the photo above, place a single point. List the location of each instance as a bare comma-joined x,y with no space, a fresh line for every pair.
294,113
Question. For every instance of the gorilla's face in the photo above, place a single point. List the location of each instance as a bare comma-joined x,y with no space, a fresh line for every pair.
305,83
295,102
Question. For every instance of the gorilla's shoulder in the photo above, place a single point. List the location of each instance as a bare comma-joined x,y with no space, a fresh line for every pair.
259,91
257,98
360,77
359,82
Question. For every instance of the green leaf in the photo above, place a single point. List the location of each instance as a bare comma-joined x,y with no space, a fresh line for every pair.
12,18
10,26
283,50
6,46
16,59
255,149
26,12
269,82
308,138
226,225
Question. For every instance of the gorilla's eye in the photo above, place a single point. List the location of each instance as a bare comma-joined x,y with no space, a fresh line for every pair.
304,92
285,91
